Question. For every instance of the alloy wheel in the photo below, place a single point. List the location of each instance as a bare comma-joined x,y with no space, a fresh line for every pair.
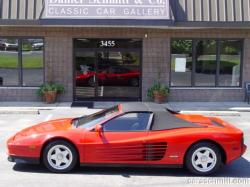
204,159
59,157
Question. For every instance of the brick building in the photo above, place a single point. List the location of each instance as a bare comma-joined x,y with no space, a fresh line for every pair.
200,48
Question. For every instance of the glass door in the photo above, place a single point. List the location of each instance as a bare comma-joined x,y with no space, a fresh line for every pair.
85,74
118,74
107,69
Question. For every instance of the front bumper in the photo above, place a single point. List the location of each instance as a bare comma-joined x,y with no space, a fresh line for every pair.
23,160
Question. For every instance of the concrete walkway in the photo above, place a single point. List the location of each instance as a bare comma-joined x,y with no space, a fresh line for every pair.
210,106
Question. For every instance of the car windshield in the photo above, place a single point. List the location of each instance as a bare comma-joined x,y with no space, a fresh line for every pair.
91,120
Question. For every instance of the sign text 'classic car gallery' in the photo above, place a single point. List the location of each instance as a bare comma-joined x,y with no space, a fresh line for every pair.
107,9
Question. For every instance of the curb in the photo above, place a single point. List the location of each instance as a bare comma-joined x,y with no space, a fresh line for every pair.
212,113
32,110
23,111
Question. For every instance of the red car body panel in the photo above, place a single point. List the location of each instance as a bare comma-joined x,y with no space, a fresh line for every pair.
163,147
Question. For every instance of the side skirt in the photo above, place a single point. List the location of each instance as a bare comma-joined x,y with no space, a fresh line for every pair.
134,165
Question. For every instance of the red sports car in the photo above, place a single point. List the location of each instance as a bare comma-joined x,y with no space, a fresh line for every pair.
130,134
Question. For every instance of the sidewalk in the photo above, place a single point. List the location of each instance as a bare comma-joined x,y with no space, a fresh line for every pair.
30,107
211,106
187,107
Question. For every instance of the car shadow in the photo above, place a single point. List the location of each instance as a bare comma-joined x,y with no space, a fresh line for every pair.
238,169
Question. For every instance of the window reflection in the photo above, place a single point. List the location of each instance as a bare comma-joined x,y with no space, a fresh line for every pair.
118,74
85,73
217,62
230,57
205,63
9,67
32,62
111,71
21,65
9,44
181,62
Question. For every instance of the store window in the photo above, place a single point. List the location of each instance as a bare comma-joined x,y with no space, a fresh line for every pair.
205,66
206,63
9,66
181,62
230,62
21,62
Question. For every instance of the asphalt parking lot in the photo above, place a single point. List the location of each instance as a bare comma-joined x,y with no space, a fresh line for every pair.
237,173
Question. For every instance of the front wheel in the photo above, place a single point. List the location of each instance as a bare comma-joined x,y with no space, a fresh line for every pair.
60,156
203,158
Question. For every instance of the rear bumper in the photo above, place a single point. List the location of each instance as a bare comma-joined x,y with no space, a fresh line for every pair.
23,160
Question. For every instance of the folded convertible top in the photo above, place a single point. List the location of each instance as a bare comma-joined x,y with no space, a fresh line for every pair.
164,118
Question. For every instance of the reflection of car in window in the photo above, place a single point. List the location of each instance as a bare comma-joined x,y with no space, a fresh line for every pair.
108,75
37,46
7,45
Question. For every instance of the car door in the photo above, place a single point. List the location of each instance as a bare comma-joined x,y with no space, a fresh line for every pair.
121,141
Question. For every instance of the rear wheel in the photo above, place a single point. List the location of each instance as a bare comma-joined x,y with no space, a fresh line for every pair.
203,158
60,156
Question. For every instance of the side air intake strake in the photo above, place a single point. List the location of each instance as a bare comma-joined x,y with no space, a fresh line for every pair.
155,151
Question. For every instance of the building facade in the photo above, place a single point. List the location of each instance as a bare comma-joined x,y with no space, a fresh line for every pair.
199,48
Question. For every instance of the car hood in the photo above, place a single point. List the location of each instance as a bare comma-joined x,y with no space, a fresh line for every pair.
46,127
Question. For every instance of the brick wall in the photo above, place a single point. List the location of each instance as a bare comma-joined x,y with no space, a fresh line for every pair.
155,62
156,58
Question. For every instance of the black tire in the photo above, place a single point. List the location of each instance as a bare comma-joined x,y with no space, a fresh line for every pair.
91,82
134,82
71,164
214,166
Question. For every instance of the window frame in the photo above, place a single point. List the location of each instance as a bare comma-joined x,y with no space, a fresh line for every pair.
150,121
20,60
194,57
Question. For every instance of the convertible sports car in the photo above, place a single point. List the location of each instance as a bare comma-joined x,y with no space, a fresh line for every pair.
130,134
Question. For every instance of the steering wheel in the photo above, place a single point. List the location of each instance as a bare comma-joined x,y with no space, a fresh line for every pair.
135,126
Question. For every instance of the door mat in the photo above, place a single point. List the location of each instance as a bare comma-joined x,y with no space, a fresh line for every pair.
83,104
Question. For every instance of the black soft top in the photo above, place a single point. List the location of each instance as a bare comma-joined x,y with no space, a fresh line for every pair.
164,118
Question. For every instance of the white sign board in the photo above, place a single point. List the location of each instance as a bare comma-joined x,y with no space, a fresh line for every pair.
180,64
107,9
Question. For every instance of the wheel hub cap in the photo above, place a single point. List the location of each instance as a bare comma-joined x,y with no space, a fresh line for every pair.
204,159
60,157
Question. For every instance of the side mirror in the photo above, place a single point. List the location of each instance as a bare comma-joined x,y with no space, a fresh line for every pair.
98,130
